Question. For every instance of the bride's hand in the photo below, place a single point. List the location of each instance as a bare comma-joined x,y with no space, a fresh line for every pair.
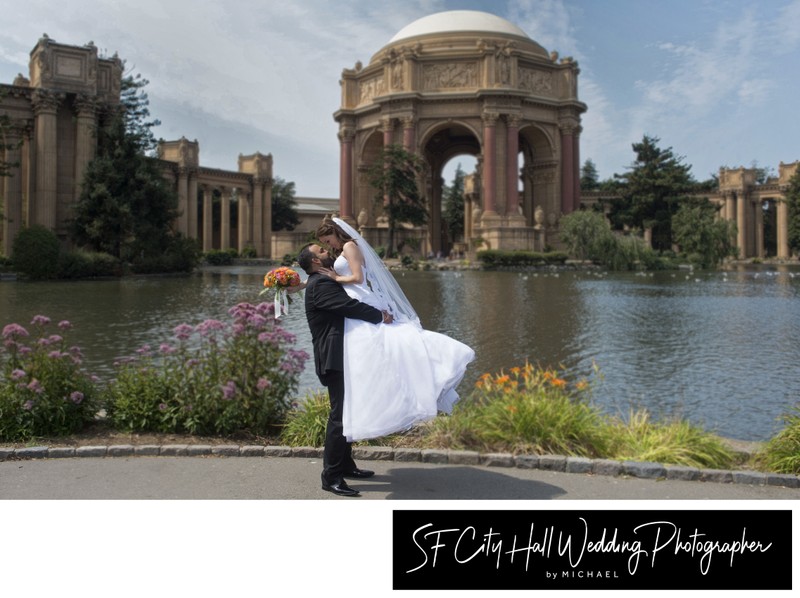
329,272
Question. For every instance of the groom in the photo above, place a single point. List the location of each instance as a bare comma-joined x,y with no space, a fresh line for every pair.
327,305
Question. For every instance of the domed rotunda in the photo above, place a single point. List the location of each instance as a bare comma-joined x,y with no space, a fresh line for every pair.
467,82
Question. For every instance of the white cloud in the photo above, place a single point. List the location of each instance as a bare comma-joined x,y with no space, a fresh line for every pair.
264,74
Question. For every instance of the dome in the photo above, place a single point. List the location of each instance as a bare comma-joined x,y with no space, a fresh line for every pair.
458,21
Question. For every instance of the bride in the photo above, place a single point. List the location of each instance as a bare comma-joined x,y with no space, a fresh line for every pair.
396,375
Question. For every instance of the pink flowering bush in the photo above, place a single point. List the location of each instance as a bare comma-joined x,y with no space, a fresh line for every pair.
212,378
44,390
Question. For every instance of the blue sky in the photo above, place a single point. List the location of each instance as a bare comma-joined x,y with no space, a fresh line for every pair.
716,81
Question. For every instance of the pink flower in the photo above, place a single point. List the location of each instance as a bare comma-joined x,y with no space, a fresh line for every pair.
35,386
28,405
18,374
209,326
263,384
65,325
14,330
76,397
40,321
183,331
228,390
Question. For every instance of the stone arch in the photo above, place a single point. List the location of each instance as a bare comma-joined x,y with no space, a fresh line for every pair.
539,174
439,144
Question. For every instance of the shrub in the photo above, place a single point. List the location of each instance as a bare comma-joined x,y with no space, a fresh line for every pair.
495,258
307,422
676,442
182,255
248,252
781,453
44,391
527,410
88,264
214,379
220,257
35,252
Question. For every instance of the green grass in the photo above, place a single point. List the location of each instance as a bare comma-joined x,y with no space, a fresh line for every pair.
535,411
781,453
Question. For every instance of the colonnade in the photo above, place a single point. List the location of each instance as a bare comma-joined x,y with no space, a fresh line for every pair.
249,188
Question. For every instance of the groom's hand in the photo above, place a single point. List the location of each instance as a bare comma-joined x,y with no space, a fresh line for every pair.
387,317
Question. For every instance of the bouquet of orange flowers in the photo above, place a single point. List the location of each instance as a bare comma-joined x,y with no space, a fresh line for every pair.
281,280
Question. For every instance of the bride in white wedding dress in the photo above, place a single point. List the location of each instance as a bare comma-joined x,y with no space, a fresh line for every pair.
395,375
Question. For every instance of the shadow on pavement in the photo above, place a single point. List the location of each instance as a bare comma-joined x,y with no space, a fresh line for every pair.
455,483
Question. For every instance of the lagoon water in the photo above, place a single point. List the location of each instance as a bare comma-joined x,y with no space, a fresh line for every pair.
718,348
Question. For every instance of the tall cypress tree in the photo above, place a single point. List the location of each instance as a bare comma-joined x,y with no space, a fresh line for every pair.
652,191
126,206
394,176
454,205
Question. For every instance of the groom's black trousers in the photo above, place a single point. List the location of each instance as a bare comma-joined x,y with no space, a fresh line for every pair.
337,457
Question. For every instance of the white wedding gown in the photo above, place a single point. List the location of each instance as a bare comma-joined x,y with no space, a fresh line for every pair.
395,375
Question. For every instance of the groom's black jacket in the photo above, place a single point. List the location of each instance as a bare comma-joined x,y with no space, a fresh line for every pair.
327,305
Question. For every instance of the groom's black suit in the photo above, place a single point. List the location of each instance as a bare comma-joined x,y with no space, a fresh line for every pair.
327,305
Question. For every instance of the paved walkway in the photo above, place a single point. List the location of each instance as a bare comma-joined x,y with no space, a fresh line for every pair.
169,473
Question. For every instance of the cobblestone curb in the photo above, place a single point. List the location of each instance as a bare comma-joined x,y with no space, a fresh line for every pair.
574,465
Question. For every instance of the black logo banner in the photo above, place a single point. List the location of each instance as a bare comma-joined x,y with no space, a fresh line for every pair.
572,549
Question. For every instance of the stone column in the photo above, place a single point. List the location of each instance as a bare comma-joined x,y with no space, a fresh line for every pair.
741,224
782,217
225,218
266,221
183,201
576,168
489,167
567,169
45,106
346,136
191,211
387,126
85,139
258,216
244,218
759,220
409,133
208,230
12,192
512,168
730,207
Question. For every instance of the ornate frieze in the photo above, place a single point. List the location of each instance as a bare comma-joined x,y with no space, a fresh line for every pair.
369,89
536,81
452,75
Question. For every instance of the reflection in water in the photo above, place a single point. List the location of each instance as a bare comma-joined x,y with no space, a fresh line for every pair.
717,348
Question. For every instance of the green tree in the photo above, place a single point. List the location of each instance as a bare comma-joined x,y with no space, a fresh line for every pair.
284,206
5,144
394,175
126,206
703,236
590,180
454,205
5,141
793,203
586,234
653,189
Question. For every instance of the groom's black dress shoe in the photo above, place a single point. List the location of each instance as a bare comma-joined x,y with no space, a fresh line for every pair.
341,489
359,474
